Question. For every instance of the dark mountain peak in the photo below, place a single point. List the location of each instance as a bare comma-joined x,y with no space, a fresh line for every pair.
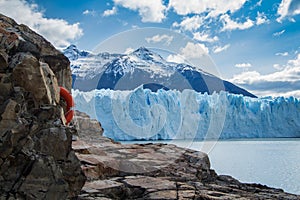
184,67
146,54
72,47
72,52
142,50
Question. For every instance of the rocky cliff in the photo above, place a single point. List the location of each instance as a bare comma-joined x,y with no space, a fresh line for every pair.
158,171
36,158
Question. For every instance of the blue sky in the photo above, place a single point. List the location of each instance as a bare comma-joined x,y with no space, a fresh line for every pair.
253,43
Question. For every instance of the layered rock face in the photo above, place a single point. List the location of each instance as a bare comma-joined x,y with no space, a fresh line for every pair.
158,171
36,158
87,128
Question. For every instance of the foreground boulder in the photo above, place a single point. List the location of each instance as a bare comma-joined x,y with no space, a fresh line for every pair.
158,171
87,128
36,157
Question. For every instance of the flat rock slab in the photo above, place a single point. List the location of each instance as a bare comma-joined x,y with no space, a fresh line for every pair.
158,171
150,183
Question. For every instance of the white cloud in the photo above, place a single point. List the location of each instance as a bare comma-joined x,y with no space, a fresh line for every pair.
259,3
294,63
277,66
290,64
107,13
254,77
272,93
285,79
214,7
243,65
281,82
190,51
295,93
160,38
283,9
276,34
295,7
175,58
194,50
204,37
59,32
150,11
190,23
218,49
247,77
89,12
229,24
282,54
129,50
288,8
261,19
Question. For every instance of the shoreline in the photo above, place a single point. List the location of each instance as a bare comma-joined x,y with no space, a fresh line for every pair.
218,140
136,170
255,159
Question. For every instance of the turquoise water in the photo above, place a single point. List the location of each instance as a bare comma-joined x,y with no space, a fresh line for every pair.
272,162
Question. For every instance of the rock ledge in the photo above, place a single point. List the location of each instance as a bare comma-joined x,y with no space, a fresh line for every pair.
158,171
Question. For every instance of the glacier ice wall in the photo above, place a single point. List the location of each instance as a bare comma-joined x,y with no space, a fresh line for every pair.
142,114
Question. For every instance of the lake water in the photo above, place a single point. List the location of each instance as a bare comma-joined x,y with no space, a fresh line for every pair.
272,162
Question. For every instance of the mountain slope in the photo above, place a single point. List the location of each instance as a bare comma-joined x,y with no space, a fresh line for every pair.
141,67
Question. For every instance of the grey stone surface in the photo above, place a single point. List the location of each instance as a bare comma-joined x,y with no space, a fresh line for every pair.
158,171
36,156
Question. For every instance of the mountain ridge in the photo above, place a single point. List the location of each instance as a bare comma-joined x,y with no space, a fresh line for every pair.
141,67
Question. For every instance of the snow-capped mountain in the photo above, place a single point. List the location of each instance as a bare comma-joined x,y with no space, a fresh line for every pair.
73,53
141,67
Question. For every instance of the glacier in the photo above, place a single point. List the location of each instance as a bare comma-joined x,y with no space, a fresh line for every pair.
165,115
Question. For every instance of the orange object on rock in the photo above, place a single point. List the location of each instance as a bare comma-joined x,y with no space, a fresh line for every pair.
66,95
